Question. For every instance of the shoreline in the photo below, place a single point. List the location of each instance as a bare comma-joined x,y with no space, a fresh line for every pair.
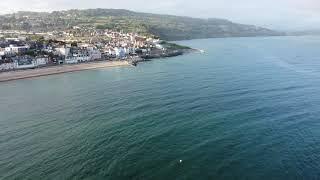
52,70
67,68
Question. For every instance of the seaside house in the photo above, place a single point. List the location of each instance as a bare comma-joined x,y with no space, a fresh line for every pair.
62,51
2,51
139,42
76,56
126,51
95,54
92,51
48,49
71,60
70,57
120,52
14,49
24,62
84,54
41,60
110,52
7,66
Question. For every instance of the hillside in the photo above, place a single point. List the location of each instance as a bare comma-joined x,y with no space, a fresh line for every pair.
315,32
167,27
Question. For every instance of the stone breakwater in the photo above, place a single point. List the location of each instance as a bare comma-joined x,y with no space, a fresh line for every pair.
159,54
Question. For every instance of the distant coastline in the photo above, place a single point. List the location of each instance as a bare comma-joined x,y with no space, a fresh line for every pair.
167,27
38,50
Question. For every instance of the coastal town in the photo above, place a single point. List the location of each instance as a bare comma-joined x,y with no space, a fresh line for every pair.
21,50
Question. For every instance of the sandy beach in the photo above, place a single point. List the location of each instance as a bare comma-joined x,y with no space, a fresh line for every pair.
30,73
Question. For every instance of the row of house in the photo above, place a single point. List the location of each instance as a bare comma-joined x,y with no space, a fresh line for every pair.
102,44
80,54
24,62
14,49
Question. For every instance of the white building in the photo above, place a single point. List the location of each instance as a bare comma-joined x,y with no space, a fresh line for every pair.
71,60
7,66
120,52
48,49
111,52
63,51
126,51
79,54
132,50
2,52
41,61
25,66
12,49
24,63
95,54
79,57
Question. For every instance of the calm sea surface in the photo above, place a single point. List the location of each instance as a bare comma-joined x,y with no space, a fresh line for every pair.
249,108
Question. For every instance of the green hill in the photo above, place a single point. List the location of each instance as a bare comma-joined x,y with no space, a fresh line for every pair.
167,27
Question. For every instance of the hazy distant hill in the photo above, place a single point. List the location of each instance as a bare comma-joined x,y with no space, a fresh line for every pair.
306,32
166,26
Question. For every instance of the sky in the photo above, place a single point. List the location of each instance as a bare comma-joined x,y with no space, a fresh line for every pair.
276,14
